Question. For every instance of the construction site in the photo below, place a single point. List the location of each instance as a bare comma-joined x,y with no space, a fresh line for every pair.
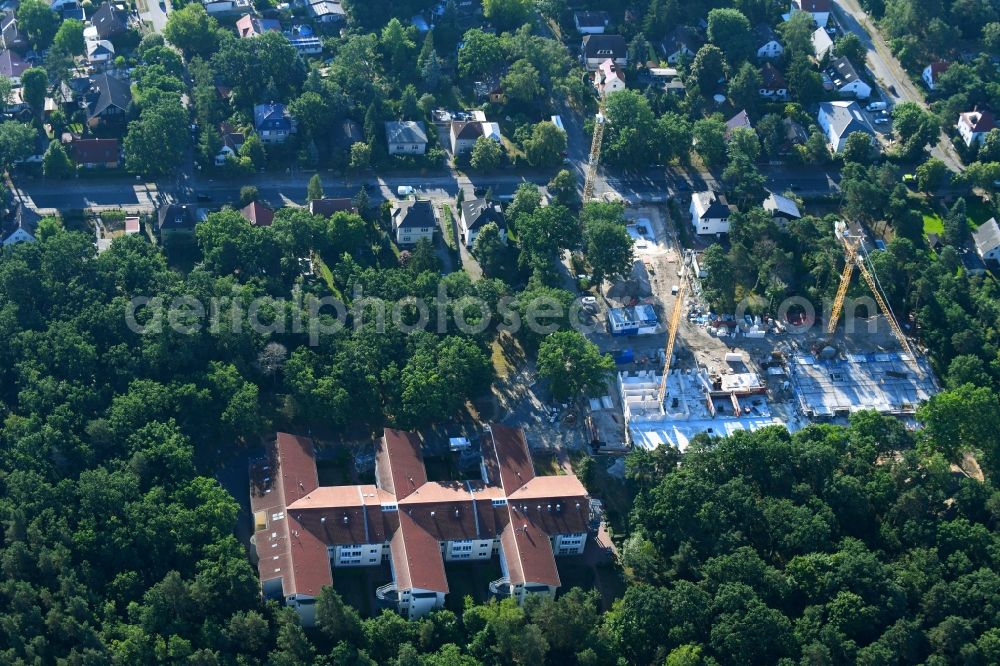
683,370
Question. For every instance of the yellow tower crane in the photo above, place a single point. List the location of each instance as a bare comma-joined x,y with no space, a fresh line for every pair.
675,321
855,257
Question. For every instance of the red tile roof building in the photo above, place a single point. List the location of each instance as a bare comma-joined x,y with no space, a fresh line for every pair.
303,530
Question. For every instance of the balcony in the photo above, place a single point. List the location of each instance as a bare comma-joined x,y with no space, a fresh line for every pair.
500,586
387,591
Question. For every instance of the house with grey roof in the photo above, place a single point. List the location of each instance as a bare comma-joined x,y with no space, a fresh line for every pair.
681,43
21,227
987,240
107,99
413,221
768,45
821,43
839,120
406,137
273,122
476,214
12,66
595,49
12,37
845,79
109,21
709,213
781,209
590,23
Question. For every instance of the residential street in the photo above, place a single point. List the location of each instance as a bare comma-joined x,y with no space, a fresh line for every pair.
46,196
889,72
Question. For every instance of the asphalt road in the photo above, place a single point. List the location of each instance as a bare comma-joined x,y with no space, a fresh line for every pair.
889,72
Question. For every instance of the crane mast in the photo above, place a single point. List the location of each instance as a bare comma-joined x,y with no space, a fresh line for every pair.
675,321
595,153
854,257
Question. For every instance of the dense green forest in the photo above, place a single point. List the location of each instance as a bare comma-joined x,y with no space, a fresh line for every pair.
832,545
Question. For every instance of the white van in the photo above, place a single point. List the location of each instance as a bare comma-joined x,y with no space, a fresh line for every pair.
877,106
404,190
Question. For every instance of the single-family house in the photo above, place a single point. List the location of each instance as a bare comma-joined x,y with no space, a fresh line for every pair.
232,141
273,122
176,220
681,43
12,66
305,534
330,207
349,134
406,137
61,6
822,44
767,42
306,45
463,134
12,37
96,153
608,78
252,26
100,51
215,7
595,49
934,242
987,240
327,11
21,227
477,213
257,214
845,79
413,221
795,134
933,71
109,21
972,262
590,23
741,119
818,9
107,99
840,119
773,85
974,125
709,213
782,209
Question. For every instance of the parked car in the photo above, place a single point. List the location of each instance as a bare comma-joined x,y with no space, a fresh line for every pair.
877,106
404,190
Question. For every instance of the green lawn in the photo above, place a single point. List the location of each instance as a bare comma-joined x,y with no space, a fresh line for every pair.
978,210
933,224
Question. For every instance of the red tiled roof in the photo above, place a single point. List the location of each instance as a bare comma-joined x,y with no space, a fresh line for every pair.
979,121
258,214
287,550
399,463
938,68
528,552
302,518
95,151
416,558
327,207
296,466
505,454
